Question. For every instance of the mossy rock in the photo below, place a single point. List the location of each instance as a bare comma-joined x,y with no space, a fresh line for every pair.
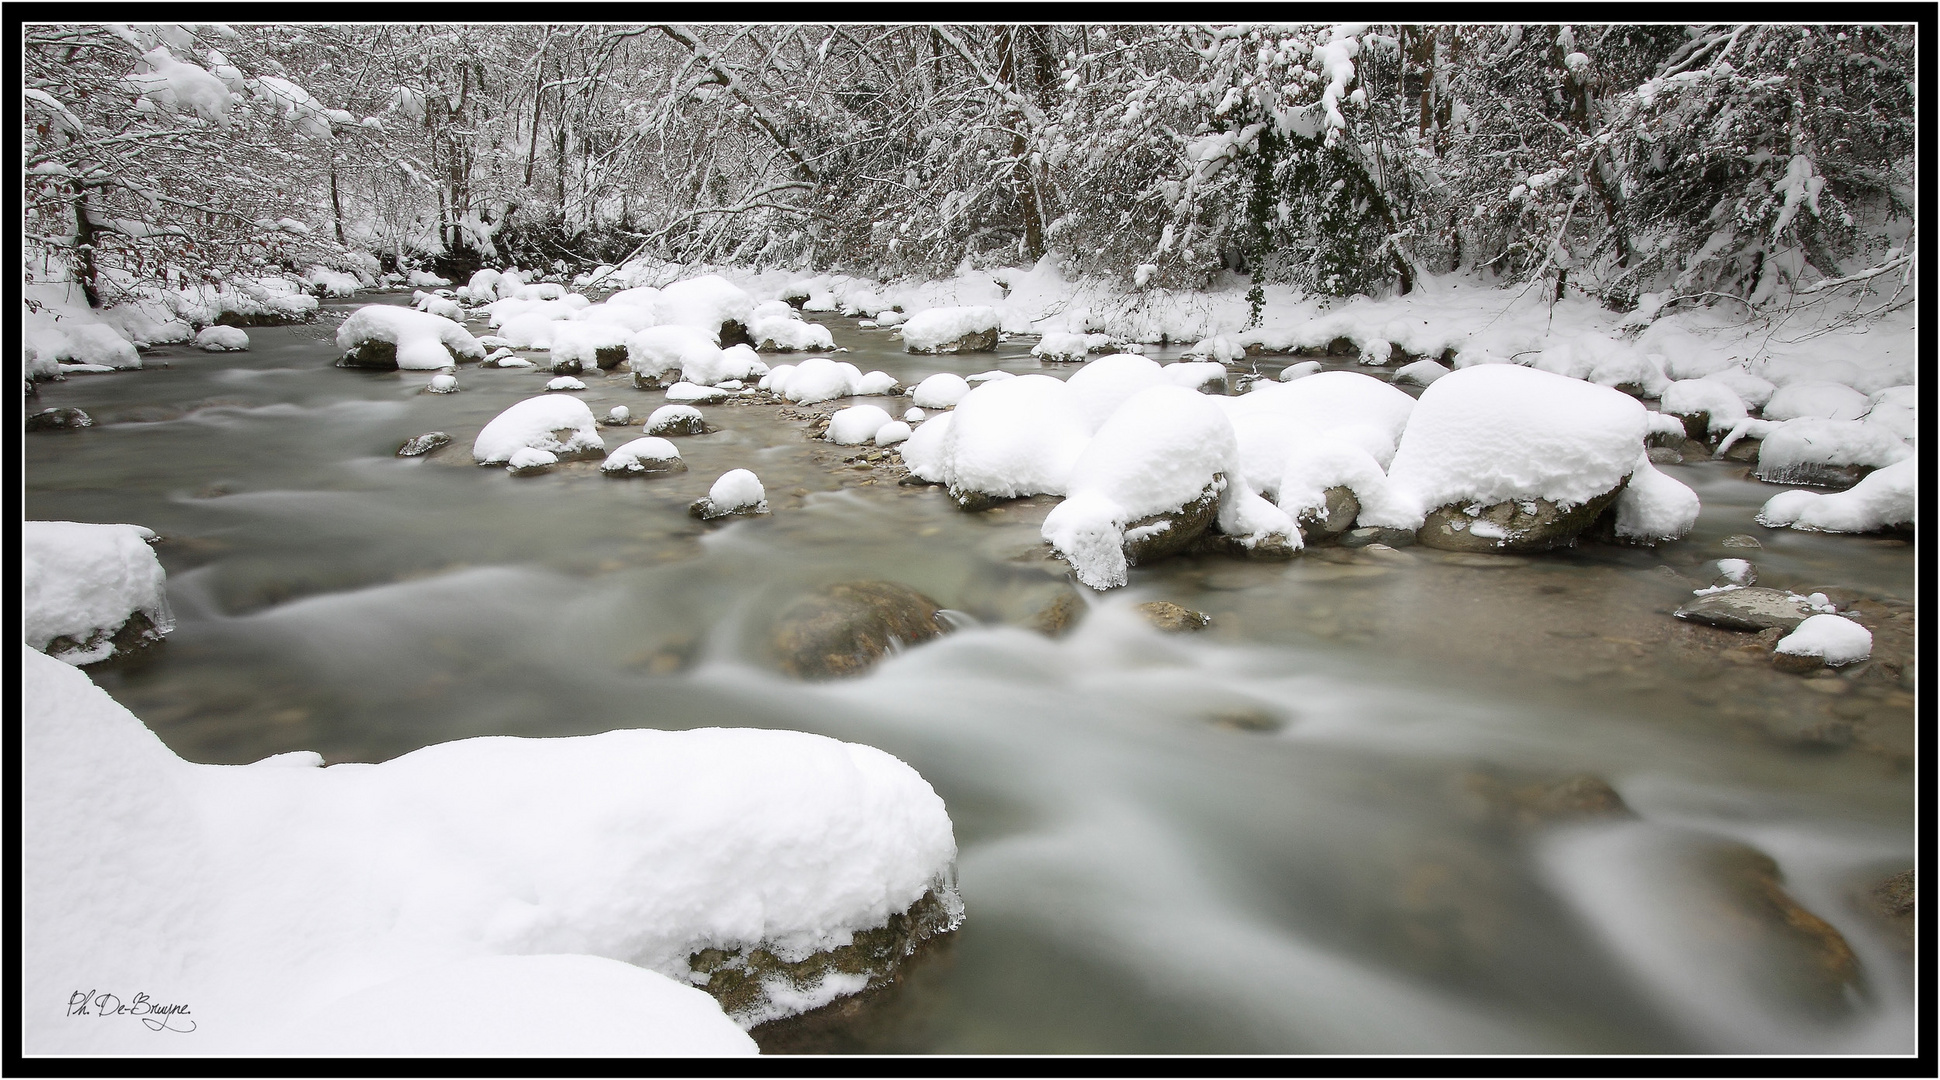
844,629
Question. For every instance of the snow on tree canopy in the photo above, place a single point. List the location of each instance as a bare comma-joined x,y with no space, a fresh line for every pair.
1498,432
262,894
424,342
79,580
705,303
535,423
180,87
1009,438
1884,499
857,424
927,331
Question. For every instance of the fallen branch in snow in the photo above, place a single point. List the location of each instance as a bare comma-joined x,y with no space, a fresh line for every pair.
1868,274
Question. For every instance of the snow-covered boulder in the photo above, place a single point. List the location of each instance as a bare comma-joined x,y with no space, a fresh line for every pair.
384,336
952,330
1070,348
1653,508
631,317
1833,640
815,379
1886,499
1708,407
643,457
658,352
1006,439
443,383
433,304
940,391
894,432
1512,458
856,424
583,346
1825,452
554,423
711,304
1821,400
734,363
424,279
876,383
686,393
675,420
265,301
88,591
271,897
785,333
565,382
72,342
738,491
617,416
222,339
1219,348
1300,370
1420,372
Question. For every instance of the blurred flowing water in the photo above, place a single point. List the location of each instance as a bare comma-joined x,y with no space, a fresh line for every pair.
1286,834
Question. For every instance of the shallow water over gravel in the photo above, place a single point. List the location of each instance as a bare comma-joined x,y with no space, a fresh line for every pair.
1285,834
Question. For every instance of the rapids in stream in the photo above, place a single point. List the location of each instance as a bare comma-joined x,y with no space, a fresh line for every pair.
1327,824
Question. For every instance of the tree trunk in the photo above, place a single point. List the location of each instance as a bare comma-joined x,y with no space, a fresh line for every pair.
84,246
336,202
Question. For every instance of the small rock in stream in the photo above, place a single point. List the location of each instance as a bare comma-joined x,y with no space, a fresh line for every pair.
845,628
59,420
1172,618
426,443
1747,609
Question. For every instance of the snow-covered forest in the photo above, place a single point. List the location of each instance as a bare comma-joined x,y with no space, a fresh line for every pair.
661,539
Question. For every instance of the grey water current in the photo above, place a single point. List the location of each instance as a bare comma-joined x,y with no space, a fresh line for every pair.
1391,801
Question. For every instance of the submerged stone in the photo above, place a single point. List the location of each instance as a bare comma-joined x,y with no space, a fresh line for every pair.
845,628
429,442
1173,618
59,420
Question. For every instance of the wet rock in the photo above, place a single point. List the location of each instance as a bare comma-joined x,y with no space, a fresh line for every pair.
1801,952
733,332
427,443
1740,540
1368,534
1156,536
680,424
64,419
609,358
1744,450
1894,897
843,629
129,640
973,502
1665,455
1525,800
1814,474
1797,664
705,509
1517,525
1172,618
1060,615
749,982
1333,517
974,341
261,318
1748,609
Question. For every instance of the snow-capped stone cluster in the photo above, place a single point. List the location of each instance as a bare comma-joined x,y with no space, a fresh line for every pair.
80,584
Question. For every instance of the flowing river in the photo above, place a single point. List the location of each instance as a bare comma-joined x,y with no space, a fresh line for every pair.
1389,802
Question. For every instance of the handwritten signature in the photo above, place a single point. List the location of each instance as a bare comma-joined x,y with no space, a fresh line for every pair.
154,1015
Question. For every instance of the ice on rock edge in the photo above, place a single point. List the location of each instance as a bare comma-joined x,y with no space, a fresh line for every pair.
265,895
81,580
537,423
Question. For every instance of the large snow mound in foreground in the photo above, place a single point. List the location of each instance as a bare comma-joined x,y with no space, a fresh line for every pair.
79,580
1497,432
262,896
1886,498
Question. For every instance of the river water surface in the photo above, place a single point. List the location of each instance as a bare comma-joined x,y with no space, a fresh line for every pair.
1340,820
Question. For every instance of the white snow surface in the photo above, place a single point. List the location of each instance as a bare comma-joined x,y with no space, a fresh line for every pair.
686,393
264,895
1713,397
662,349
705,303
222,339
1497,432
1420,372
581,342
1828,442
527,457
857,424
1883,499
1654,507
933,330
815,379
535,423
737,488
1060,346
786,333
565,382
1009,438
77,579
1826,400
634,456
940,391
892,433
443,383
424,342
1834,638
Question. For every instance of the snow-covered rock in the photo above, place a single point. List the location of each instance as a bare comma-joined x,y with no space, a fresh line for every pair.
675,420
711,304
1300,370
555,423
952,329
892,433
584,346
816,379
660,351
1834,639
686,393
86,590
1823,400
432,304
1653,507
530,461
784,333
222,339
643,456
386,336
736,362
1513,457
1420,372
565,382
443,383
1007,439
856,424
271,898
1707,406
68,341
1887,498
1070,348
1826,453
1102,385
738,491
940,391
875,383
